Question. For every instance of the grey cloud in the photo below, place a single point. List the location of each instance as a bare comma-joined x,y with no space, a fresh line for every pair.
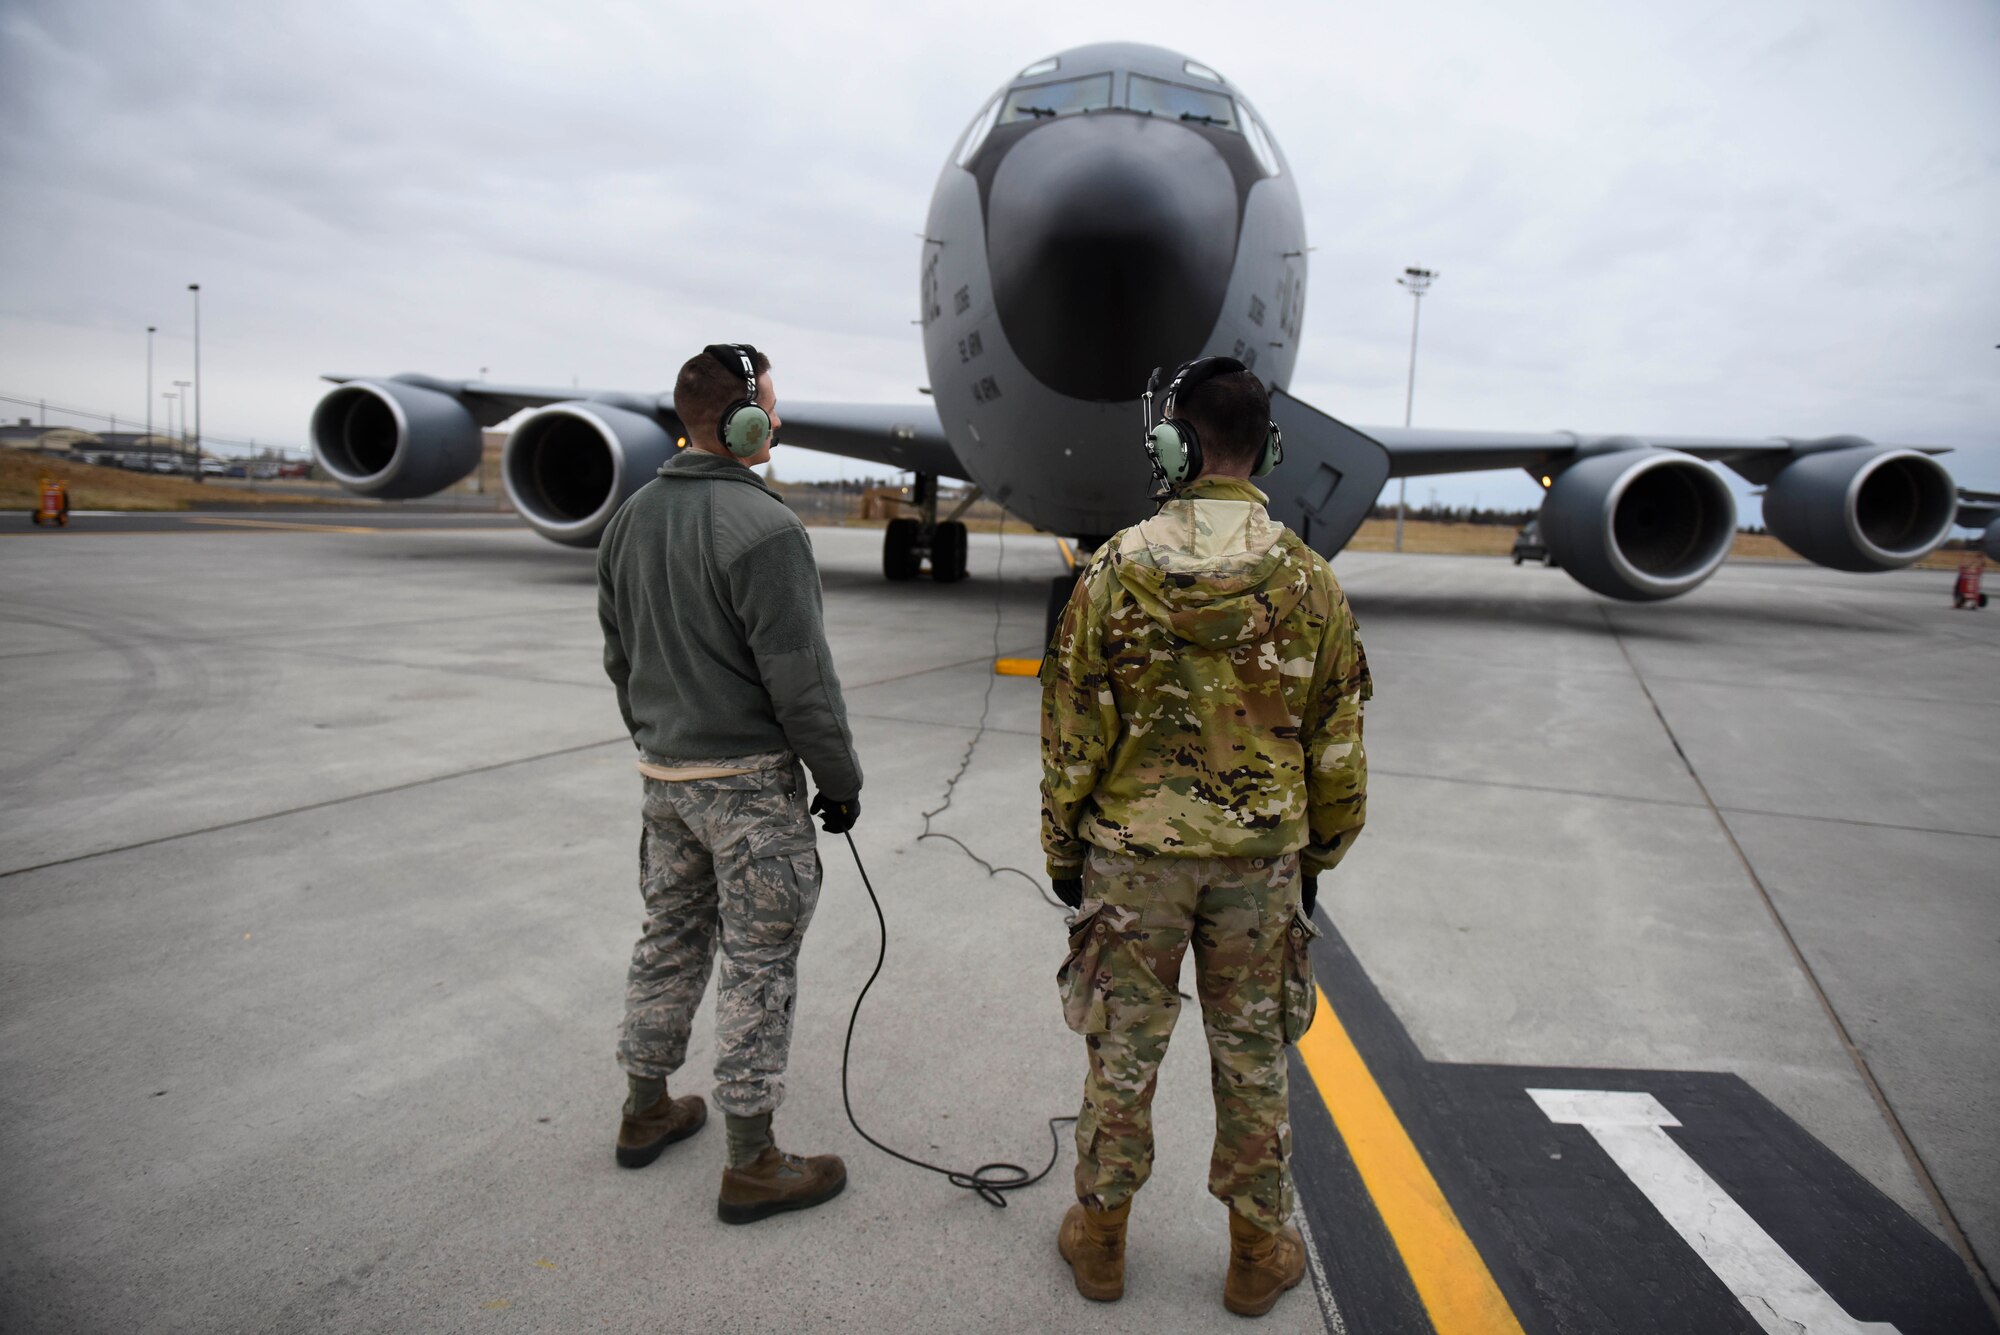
1753,220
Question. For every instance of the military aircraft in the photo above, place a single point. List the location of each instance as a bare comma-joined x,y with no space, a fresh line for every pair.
1981,510
1113,209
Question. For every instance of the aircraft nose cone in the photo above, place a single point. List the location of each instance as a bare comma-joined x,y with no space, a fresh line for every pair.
1110,239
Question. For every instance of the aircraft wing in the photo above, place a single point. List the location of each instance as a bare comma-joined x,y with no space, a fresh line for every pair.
1420,451
1977,509
897,436
1639,517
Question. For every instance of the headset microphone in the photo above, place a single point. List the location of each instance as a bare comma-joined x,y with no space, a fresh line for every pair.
1174,446
745,426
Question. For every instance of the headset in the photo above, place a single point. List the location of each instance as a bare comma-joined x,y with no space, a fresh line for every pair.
745,426
1173,445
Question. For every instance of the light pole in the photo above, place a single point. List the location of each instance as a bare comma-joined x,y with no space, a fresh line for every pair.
1418,281
195,288
182,431
169,395
150,331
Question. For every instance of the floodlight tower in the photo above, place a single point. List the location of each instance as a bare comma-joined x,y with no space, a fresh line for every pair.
182,430
151,329
195,288
1418,281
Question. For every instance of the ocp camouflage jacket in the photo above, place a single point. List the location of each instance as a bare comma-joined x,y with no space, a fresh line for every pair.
1203,693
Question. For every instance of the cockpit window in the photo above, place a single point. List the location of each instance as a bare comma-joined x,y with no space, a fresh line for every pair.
975,133
1046,101
1197,106
1260,144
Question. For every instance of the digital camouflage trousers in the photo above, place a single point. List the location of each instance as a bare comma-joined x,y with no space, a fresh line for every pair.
732,862
1120,986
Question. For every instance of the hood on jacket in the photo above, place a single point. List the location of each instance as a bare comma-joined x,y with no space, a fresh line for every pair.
691,464
1212,566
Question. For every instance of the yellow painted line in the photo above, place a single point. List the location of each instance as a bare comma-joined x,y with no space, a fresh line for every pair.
1451,1278
1018,667
1068,552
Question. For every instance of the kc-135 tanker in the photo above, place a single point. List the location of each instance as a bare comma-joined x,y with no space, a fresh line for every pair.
1113,209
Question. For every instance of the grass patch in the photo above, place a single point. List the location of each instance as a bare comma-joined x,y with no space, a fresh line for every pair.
97,487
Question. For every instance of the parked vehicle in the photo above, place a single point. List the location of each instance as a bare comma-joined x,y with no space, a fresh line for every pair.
1528,544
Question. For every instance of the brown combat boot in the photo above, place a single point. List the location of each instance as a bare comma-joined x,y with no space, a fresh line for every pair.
642,1136
1261,1266
1093,1242
775,1182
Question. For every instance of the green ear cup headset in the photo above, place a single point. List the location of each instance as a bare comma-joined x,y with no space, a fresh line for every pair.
1173,445
745,426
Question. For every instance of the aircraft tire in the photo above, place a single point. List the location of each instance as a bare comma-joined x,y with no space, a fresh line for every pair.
899,549
948,553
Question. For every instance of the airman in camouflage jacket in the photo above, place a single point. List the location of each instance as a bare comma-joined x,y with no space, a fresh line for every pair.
1203,694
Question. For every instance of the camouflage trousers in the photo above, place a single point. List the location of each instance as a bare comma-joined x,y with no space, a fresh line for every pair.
730,861
1120,987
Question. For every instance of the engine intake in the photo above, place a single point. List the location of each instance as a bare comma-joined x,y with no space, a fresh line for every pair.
1861,508
569,466
1639,524
393,440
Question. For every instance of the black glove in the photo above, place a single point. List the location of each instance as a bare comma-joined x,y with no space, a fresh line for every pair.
1309,892
1069,889
836,816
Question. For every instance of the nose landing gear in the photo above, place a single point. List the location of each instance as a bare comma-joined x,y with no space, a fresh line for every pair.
908,543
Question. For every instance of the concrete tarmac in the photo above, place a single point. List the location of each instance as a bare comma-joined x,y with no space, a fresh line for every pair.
317,887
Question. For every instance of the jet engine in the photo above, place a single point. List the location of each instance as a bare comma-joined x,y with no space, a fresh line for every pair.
1639,524
1861,507
1990,541
569,466
393,439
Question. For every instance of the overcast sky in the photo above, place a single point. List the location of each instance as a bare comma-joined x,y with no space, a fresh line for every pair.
1756,217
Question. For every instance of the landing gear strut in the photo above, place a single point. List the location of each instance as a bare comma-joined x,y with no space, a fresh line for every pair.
910,542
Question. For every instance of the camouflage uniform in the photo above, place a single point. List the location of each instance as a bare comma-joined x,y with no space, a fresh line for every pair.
1201,743
732,857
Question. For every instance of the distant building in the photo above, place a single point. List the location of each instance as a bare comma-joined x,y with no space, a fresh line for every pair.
91,447
25,435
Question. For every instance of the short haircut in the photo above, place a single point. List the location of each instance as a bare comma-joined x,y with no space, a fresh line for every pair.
705,387
1232,415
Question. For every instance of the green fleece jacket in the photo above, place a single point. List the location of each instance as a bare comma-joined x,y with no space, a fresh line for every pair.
713,629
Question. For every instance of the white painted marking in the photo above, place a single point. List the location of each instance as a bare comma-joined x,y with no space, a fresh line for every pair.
1335,1323
1632,1128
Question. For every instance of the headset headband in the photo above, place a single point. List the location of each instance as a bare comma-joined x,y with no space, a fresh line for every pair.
1194,373
741,359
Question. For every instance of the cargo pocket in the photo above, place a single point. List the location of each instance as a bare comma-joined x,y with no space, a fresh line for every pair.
1301,993
1082,979
773,1041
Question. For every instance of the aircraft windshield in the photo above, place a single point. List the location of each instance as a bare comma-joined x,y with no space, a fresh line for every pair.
1045,101
1195,105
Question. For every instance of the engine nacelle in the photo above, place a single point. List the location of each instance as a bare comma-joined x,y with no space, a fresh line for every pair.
569,466
1639,524
1990,541
393,440
1861,508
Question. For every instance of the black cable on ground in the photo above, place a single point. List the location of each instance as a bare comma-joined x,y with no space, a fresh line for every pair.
979,733
990,1181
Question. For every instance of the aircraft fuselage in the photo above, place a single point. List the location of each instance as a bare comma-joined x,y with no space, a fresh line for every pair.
1113,210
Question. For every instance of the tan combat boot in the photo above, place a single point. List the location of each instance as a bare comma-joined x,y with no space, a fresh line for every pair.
775,1182
1093,1242
1261,1265
642,1136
